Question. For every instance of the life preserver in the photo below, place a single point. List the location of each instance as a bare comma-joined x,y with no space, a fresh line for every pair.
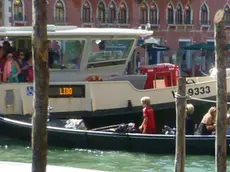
94,78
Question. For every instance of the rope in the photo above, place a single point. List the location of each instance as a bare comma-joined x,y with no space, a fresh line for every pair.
205,100
178,96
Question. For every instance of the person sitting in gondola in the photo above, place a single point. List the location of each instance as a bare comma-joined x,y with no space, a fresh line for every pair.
207,125
190,124
228,124
148,125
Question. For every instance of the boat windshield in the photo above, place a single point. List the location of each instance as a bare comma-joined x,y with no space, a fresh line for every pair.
109,52
67,53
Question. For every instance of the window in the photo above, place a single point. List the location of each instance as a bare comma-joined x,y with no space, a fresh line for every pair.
204,15
18,10
179,14
227,15
86,14
101,12
144,13
153,14
185,60
1,13
210,56
112,13
187,14
59,12
123,13
170,14
109,52
67,52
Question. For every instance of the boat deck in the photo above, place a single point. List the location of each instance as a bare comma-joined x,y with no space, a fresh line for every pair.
26,167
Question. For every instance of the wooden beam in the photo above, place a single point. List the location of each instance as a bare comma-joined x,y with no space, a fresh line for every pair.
221,90
180,126
41,85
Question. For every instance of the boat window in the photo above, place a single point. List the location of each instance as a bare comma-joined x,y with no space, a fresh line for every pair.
66,53
109,52
9,98
62,54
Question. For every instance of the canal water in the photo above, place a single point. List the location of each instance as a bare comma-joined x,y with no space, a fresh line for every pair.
114,161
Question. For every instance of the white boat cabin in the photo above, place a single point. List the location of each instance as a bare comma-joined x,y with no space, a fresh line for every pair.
80,52
77,54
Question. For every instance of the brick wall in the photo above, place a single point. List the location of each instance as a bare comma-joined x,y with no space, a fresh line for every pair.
168,34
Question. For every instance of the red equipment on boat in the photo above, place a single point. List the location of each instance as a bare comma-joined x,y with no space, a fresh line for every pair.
169,72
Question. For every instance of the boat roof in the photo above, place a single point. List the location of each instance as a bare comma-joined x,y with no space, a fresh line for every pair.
54,30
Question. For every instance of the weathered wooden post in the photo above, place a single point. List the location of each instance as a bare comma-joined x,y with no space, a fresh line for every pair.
180,126
221,88
41,85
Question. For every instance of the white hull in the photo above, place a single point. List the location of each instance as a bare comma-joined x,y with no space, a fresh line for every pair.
103,95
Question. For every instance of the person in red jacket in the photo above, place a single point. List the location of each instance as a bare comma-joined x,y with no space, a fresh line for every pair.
148,125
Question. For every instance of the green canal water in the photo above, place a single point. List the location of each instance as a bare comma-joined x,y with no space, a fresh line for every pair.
115,161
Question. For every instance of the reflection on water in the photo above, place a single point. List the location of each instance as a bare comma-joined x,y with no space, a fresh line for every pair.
11,150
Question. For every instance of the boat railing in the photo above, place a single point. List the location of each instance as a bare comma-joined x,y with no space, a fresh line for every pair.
106,61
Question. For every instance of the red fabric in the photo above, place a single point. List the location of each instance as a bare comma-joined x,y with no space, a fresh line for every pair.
2,63
2,66
150,126
30,74
150,131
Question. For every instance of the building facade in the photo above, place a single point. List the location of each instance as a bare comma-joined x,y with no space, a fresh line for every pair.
175,22
5,12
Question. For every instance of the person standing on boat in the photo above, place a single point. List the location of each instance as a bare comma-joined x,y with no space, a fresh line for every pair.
29,66
11,70
228,124
207,125
22,64
190,124
148,125
5,49
50,55
138,62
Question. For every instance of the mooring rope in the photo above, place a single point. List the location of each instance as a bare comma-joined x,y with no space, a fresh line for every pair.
177,96
205,100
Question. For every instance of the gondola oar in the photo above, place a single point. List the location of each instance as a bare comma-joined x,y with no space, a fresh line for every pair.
106,127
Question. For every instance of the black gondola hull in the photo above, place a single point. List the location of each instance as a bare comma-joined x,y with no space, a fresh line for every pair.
154,144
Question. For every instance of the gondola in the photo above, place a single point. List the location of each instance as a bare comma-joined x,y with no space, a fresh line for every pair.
105,139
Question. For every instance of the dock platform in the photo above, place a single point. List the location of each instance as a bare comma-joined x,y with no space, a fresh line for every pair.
6,166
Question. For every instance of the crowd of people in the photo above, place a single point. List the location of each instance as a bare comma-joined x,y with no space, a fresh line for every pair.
15,66
207,126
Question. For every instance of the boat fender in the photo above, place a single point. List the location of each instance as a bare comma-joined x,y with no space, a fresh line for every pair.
94,78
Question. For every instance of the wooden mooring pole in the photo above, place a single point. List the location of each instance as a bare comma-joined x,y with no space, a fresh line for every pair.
221,90
180,126
41,85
